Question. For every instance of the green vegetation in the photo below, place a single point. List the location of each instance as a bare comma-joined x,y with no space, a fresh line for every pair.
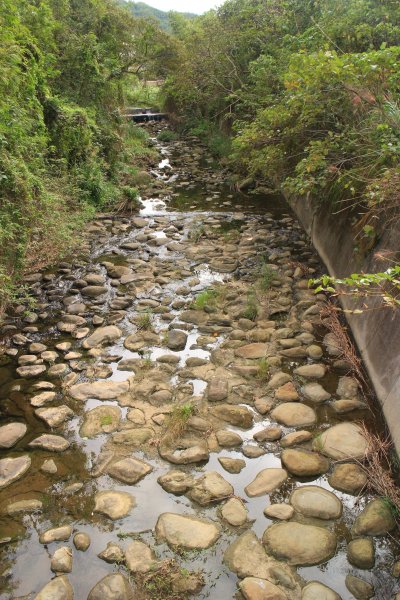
385,286
141,9
196,232
166,136
266,275
205,299
145,320
65,150
307,93
251,309
263,369
176,422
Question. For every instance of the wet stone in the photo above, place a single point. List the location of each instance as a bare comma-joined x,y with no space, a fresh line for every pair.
102,390
316,371
52,443
43,398
81,541
342,441
303,463
239,416
315,393
112,587
246,557
376,519
228,439
49,466
11,433
294,414
112,553
54,416
102,336
12,469
348,477
57,534
295,438
59,588
232,465
61,561
234,512
114,505
361,590
210,488
283,512
139,557
176,482
24,506
298,544
102,419
267,481
252,351
176,339
217,390
31,371
133,437
186,531
314,501
254,588
361,553
129,470
269,434
314,590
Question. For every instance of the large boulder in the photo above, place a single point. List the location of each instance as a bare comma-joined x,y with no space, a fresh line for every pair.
11,433
376,519
303,463
254,588
113,504
210,487
298,544
101,390
318,591
103,335
57,589
112,587
315,501
176,339
12,469
342,441
186,531
266,481
240,416
294,414
247,558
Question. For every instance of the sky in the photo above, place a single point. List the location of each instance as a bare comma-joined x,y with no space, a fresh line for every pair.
193,6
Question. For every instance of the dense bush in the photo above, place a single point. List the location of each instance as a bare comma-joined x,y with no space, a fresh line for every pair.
309,91
64,149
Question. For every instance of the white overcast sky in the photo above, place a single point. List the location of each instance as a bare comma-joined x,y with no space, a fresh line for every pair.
193,6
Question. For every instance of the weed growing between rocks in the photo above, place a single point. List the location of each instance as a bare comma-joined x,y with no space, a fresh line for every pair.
145,321
381,466
251,310
205,299
263,369
169,581
176,423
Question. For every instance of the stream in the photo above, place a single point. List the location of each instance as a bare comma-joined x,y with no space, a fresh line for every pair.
174,396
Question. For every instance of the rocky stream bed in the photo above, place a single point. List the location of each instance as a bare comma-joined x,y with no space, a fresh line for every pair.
175,419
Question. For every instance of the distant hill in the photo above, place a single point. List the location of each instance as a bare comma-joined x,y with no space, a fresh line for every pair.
141,9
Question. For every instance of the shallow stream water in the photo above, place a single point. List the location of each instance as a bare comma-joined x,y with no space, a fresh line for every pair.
194,235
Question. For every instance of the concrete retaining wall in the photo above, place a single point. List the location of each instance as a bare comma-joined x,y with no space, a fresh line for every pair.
376,331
